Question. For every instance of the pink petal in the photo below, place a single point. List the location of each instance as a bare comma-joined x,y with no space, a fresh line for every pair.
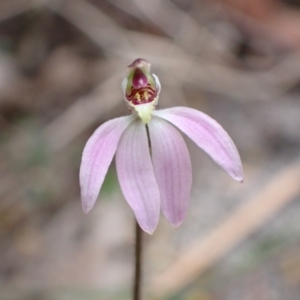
136,176
208,135
96,158
172,168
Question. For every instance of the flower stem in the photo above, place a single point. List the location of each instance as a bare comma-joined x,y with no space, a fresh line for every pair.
139,250
138,263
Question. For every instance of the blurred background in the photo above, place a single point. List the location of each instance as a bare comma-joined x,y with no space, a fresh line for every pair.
61,65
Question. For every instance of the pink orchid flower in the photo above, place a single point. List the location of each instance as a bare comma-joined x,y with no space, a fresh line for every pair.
152,160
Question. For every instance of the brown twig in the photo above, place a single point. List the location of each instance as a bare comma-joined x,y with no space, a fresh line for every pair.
280,191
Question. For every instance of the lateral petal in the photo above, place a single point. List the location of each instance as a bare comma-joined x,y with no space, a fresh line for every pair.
97,156
208,135
136,176
172,168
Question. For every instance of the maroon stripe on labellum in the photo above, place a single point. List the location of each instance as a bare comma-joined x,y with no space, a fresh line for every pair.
141,95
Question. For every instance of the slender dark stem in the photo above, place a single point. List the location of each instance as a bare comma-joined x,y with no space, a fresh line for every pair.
138,263
139,250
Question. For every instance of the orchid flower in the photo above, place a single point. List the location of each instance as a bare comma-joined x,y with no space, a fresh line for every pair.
152,160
